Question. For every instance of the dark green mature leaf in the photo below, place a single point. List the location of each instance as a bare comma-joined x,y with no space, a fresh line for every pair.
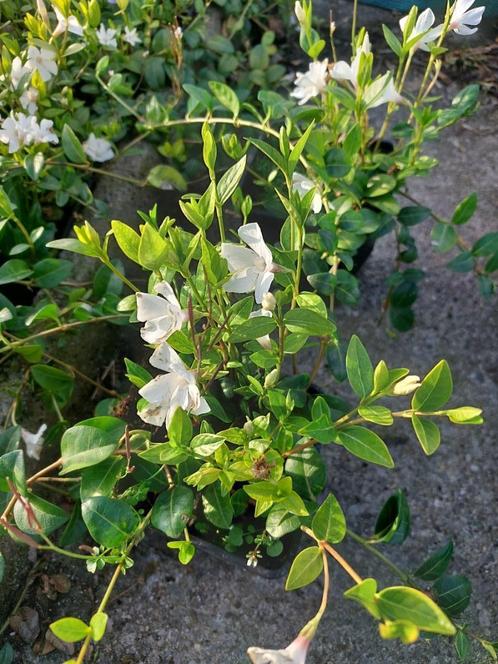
306,567
452,593
435,390
172,510
101,479
89,442
359,368
218,509
366,445
53,380
465,210
308,472
403,603
14,270
49,272
436,565
10,439
109,521
393,522
72,146
12,468
427,432
462,646
329,522
48,516
254,328
6,654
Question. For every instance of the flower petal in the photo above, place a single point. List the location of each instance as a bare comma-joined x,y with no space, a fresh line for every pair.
251,234
167,359
262,286
239,258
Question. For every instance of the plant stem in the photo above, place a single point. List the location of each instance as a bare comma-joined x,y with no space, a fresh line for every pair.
374,551
343,563
79,373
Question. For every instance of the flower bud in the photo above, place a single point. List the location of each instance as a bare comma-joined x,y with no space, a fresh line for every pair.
272,379
268,303
299,12
332,27
406,386
249,428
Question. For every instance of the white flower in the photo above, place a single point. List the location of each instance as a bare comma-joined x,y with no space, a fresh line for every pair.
34,441
107,36
98,149
265,341
311,83
17,71
178,32
252,269
342,71
295,653
43,132
67,24
462,16
16,131
131,36
177,388
29,99
303,185
42,60
161,314
422,31
406,386
382,91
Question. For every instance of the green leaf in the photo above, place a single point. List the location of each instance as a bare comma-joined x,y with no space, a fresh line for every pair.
14,270
154,252
98,623
53,380
464,415
413,215
136,374
6,654
272,154
435,390
12,468
359,368
89,442
393,522
306,321
452,593
443,237
101,479
128,240
166,177
365,594
186,550
392,41
404,630
109,521
329,522
376,414
73,245
70,630
490,648
48,516
427,432
462,646
72,146
299,146
403,603
254,328
172,510
465,210
308,472
366,445
436,565
280,522
226,96
305,568
206,444
229,181
218,509
49,272
180,428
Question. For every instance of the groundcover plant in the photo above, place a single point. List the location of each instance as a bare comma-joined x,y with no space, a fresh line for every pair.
236,328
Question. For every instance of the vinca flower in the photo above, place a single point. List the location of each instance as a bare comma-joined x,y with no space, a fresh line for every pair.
342,71
252,268
17,72
131,36
161,314
422,31
177,388
107,36
302,185
382,91
34,441
29,99
67,24
98,149
43,132
20,129
43,61
463,16
311,83
295,653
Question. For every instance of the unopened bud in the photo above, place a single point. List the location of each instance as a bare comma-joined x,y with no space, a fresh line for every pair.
268,302
332,27
299,12
249,428
272,379
406,386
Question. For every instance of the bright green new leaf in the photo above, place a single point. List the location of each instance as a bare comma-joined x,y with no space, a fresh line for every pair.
376,414
403,603
365,594
98,624
70,630
435,390
226,96
206,444
128,239
427,432
229,181
404,630
329,522
305,568
154,252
